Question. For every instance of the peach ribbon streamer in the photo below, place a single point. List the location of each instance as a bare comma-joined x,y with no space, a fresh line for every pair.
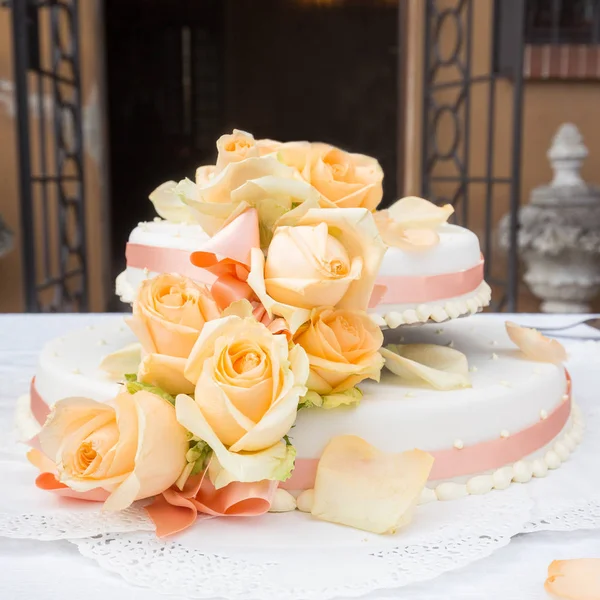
227,256
175,510
428,288
484,456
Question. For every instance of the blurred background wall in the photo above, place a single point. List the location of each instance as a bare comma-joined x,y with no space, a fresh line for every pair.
162,80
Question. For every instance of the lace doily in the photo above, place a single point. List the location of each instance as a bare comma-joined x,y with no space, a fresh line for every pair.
291,556
27,512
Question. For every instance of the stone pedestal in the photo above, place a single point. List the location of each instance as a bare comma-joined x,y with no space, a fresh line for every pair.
559,235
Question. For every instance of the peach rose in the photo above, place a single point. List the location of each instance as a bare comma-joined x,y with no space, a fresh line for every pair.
347,180
169,313
327,258
133,447
342,348
248,384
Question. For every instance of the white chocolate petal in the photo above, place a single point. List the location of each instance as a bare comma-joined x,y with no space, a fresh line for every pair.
535,345
360,486
122,362
441,367
417,213
577,579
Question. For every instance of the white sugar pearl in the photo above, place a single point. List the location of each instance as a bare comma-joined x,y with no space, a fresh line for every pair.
459,445
577,434
394,320
552,459
282,501
439,314
453,310
504,433
482,484
410,316
427,496
539,468
561,450
451,491
522,471
502,478
569,442
305,500
423,312
472,306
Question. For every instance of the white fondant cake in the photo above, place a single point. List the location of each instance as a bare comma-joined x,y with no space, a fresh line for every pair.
509,394
457,251
157,234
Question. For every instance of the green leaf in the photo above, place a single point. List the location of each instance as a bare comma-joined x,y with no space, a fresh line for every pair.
327,402
287,441
284,470
137,386
311,399
130,377
199,454
350,397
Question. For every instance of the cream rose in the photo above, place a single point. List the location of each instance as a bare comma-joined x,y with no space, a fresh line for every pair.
169,314
133,447
327,258
347,180
234,147
262,182
342,348
248,384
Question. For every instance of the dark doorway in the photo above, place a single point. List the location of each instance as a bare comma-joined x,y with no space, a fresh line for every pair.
181,73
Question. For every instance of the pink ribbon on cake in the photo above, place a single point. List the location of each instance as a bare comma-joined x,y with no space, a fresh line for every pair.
228,275
477,458
165,260
427,288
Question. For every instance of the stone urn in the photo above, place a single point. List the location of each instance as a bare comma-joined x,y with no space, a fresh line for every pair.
559,231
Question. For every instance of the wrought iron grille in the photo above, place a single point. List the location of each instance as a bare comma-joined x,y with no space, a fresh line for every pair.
449,174
50,146
562,22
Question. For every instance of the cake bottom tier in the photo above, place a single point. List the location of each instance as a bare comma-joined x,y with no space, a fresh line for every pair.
516,422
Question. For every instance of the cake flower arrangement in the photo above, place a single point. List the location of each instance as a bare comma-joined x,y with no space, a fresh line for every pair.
204,422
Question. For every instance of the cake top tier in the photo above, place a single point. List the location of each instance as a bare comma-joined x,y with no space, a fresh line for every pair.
320,203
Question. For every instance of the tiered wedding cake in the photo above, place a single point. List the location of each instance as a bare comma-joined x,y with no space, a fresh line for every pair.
252,363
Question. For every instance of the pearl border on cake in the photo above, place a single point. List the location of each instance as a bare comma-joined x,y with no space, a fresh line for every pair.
423,313
520,472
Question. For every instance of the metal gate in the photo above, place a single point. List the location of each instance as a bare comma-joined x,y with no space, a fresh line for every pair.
49,130
450,81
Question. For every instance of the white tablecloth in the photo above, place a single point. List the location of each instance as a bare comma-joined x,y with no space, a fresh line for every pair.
56,571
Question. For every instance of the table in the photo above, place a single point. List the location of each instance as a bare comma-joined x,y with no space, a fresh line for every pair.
56,571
